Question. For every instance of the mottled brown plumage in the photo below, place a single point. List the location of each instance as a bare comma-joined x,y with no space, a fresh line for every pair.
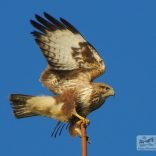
73,64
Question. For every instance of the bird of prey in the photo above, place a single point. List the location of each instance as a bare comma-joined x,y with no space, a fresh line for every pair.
73,64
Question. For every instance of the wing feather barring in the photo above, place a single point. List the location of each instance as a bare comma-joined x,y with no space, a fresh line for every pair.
73,64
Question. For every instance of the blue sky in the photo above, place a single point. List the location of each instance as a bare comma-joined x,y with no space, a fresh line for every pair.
124,33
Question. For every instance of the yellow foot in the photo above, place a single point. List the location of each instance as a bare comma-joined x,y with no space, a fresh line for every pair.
82,120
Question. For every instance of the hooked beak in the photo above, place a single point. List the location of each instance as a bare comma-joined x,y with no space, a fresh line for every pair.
110,92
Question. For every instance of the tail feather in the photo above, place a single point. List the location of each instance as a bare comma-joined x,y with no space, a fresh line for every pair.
19,105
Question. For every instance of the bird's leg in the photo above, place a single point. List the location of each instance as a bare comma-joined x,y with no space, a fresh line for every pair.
82,119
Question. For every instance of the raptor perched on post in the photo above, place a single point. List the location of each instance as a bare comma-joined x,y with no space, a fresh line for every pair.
73,64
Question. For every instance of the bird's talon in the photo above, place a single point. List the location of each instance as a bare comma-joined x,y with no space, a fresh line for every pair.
85,121
88,122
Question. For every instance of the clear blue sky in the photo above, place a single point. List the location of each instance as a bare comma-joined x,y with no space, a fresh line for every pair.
124,33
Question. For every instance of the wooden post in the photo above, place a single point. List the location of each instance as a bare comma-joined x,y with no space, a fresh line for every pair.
84,139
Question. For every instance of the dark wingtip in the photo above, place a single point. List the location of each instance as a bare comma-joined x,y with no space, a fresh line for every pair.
36,34
56,22
46,14
32,21
38,26
62,19
69,26
37,16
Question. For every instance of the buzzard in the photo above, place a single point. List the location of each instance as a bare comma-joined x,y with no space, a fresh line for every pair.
73,64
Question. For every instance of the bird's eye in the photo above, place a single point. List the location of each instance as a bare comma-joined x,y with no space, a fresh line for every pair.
100,61
107,88
103,87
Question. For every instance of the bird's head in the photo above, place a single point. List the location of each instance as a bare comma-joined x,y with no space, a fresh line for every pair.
104,90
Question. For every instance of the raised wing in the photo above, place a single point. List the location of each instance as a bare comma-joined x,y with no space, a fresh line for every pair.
63,46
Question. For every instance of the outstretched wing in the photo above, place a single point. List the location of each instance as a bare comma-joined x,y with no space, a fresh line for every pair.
65,50
63,46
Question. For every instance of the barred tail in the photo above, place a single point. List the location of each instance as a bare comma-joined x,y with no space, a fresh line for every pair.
19,105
